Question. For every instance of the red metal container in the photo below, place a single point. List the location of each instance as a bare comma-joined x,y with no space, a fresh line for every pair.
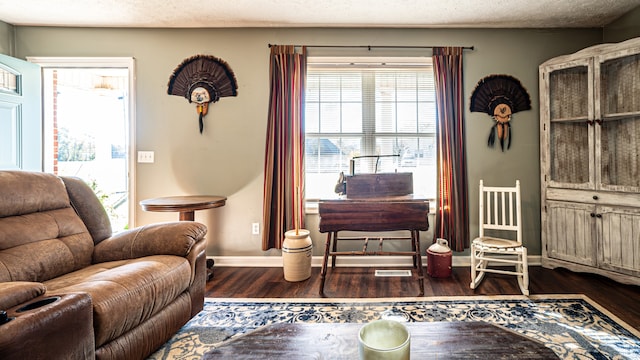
439,258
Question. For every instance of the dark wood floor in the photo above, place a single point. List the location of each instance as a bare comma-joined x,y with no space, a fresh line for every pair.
234,282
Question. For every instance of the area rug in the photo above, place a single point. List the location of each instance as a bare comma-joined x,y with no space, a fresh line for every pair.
573,326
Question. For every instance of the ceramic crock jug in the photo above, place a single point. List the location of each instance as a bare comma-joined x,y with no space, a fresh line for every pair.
440,246
439,259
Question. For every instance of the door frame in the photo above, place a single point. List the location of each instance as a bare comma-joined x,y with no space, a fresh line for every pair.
108,62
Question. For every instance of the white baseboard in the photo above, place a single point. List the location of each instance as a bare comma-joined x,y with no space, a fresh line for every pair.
344,261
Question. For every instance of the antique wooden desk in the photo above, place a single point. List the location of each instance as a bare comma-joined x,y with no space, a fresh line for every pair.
373,214
429,340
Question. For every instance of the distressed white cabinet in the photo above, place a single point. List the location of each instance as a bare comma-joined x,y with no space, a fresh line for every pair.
590,161
570,231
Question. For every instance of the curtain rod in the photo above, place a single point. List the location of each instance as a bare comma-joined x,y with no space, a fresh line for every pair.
369,47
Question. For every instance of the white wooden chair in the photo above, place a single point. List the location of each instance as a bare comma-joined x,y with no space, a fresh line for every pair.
500,214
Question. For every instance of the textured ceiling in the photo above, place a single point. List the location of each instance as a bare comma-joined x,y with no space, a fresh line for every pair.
318,13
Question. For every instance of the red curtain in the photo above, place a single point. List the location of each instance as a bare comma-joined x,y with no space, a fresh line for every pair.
283,198
452,220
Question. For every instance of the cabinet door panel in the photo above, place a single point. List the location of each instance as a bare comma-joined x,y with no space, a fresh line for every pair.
620,154
570,154
618,132
619,231
619,79
567,114
570,232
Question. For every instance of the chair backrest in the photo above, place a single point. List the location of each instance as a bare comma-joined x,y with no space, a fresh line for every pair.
500,209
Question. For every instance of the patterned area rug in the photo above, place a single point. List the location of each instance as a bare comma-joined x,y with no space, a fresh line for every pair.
573,326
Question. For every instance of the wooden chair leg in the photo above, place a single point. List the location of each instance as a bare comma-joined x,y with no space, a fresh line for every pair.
524,269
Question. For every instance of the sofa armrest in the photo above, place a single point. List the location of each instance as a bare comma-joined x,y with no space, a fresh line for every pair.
169,238
58,327
18,292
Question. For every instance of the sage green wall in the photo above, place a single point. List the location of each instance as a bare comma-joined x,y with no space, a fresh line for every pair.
624,28
6,38
227,159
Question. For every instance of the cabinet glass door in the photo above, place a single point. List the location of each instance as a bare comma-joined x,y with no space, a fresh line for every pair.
618,130
570,127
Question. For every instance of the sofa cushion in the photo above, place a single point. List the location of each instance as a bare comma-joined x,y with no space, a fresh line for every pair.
41,236
28,192
125,293
43,245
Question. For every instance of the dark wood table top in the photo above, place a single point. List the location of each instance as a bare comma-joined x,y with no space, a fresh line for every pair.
430,340
183,203
186,205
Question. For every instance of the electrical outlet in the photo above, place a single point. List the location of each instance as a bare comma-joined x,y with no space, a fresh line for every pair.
255,228
145,156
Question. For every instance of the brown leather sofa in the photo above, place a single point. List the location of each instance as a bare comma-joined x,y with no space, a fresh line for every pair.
73,290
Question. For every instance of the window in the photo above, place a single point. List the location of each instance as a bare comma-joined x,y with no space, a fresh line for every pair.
369,106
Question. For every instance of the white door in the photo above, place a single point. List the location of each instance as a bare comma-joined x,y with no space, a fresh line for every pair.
20,115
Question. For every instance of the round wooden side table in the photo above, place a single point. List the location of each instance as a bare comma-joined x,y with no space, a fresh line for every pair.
185,205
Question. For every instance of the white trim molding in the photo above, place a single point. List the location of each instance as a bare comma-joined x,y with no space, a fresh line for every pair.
352,261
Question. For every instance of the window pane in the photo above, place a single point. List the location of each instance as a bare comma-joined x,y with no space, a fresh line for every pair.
330,87
385,86
385,117
313,88
9,81
426,117
330,117
426,87
406,84
351,87
407,117
416,155
325,158
352,117
312,118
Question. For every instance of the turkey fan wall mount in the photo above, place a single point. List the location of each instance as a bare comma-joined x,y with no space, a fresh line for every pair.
500,96
203,79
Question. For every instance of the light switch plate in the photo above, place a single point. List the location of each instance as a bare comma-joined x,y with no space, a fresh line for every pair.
145,156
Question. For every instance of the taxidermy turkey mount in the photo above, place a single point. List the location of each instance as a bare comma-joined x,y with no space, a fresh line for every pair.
500,96
203,79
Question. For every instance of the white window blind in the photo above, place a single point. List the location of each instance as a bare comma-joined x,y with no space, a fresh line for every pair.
370,106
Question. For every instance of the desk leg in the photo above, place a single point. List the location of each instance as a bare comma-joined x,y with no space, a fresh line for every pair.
415,235
334,248
323,272
415,251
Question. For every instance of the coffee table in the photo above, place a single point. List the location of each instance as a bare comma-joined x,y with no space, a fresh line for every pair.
430,340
